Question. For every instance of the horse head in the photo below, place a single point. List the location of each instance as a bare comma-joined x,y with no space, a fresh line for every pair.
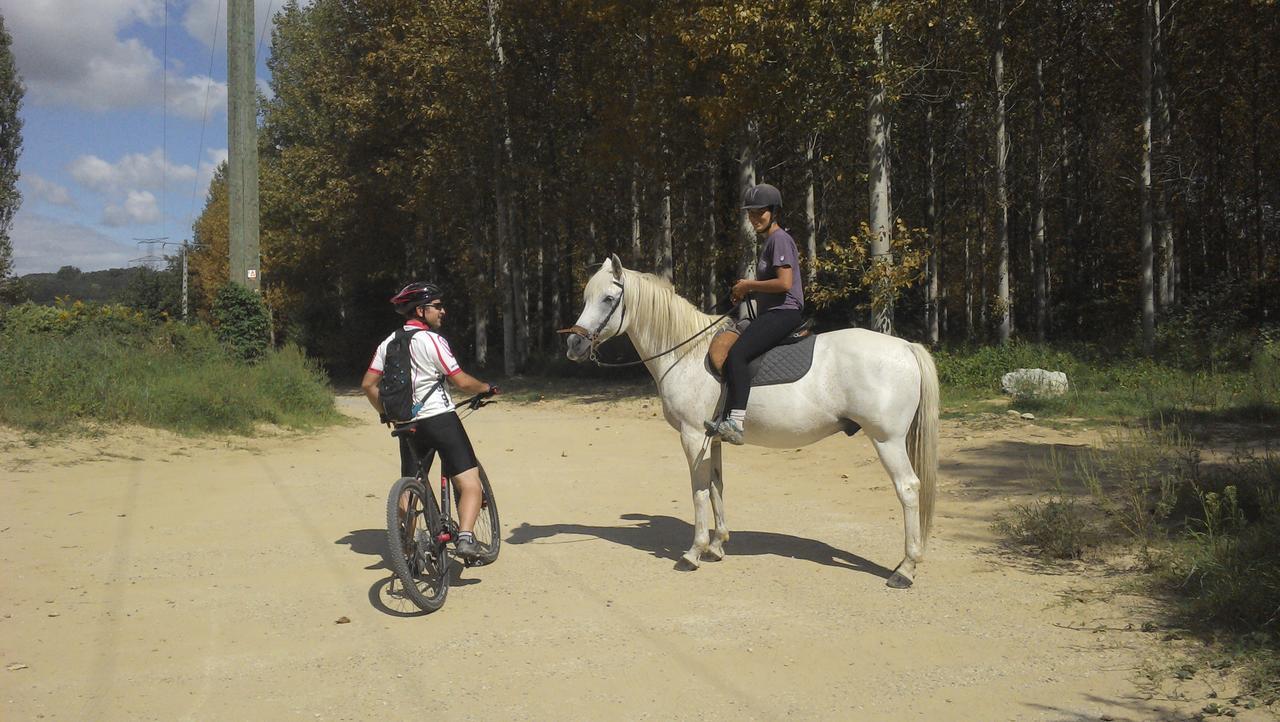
603,313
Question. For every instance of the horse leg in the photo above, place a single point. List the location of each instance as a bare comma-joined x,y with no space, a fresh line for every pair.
696,452
893,455
721,534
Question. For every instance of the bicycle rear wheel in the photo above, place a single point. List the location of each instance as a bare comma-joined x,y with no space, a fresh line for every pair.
413,525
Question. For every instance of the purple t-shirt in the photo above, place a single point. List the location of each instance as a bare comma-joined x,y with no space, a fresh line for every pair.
779,250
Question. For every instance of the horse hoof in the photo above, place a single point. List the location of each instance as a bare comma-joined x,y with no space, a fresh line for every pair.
898,581
685,564
710,556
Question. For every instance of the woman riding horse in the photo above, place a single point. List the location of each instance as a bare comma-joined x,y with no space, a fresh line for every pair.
779,300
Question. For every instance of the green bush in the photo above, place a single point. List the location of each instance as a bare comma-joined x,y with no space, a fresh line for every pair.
1056,527
59,367
242,321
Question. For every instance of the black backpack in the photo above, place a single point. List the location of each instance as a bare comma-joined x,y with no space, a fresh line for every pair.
395,388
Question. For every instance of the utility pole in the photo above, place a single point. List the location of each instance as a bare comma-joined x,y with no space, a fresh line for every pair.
186,250
242,142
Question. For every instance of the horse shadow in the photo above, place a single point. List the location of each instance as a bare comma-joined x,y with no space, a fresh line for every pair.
658,535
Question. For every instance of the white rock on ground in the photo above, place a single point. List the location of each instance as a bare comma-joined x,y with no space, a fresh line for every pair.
1034,383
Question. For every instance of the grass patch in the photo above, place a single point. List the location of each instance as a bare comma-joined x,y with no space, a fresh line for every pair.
60,370
1206,524
1114,387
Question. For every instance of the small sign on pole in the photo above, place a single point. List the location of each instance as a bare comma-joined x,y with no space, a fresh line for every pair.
252,273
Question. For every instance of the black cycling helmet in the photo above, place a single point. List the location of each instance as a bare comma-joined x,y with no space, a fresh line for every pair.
762,196
418,293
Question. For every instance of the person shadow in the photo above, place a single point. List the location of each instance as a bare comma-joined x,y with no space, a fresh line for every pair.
659,535
373,543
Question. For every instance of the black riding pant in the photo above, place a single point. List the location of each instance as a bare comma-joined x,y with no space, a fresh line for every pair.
441,433
763,334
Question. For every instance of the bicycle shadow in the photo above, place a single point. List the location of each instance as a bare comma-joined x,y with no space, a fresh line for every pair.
660,536
373,542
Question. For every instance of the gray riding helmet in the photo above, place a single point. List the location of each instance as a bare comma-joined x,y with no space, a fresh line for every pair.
762,196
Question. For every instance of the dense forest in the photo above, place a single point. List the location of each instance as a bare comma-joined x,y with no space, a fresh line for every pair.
957,172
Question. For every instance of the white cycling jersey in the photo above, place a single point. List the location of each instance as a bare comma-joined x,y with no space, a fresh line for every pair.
433,362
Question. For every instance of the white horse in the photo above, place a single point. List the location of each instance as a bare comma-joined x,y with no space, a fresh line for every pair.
886,385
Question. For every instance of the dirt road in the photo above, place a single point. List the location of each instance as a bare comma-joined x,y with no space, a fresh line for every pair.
149,576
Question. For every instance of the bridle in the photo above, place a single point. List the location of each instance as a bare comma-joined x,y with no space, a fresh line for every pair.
593,337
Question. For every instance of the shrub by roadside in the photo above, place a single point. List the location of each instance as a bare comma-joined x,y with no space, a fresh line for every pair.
69,364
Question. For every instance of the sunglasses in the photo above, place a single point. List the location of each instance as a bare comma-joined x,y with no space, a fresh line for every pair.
437,305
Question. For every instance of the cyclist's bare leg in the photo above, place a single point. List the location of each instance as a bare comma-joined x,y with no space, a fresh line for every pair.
470,494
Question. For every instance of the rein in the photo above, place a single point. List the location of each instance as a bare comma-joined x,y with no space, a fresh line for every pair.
595,344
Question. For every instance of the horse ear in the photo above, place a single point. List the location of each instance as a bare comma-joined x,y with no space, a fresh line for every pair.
617,265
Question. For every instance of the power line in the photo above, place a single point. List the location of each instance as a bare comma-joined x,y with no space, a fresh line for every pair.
204,116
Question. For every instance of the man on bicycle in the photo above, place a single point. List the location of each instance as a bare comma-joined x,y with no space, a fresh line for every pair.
438,427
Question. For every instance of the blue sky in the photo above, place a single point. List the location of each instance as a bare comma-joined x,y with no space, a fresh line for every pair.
119,95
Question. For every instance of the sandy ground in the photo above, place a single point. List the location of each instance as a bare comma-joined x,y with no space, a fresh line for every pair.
150,576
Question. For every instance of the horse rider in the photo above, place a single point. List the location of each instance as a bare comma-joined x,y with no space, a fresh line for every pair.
779,299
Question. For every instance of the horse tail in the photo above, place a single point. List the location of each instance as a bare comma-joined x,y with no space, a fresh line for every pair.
922,441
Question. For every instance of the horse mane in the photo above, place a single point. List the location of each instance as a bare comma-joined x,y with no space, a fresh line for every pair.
662,317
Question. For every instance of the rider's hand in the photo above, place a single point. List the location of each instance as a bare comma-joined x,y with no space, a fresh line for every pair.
383,419
739,291
493,390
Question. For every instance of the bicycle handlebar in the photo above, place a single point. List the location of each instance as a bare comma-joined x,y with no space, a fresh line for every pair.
473,403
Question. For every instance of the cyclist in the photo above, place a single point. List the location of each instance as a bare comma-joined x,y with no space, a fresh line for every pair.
437,424
779,300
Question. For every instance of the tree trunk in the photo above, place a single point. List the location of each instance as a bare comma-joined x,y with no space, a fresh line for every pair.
709,298
1148,289
931,214
878,192
810,216
502,164
665,242
970,210
1164,135
747,179
1003,313
480,304
1039,256
637,251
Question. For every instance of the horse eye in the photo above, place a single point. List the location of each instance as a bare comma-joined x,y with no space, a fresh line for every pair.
607,299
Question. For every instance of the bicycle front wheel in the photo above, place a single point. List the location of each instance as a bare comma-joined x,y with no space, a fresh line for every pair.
413,526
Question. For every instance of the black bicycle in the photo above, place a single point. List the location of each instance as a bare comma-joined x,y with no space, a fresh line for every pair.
422,528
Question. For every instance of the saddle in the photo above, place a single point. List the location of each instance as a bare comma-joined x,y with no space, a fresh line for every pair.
786,362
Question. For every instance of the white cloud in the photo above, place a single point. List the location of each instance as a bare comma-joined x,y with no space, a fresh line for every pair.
132,171
139,207
71,53
42,244
203,14
46,190
196,97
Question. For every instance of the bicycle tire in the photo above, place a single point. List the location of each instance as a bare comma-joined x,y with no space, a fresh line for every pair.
417,559
488,529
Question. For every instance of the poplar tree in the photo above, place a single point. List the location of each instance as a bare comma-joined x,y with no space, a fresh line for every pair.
11,91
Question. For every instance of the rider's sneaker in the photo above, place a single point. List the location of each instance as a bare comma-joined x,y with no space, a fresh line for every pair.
730,431
468,549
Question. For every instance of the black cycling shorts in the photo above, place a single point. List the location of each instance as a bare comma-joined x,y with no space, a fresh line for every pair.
443,434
